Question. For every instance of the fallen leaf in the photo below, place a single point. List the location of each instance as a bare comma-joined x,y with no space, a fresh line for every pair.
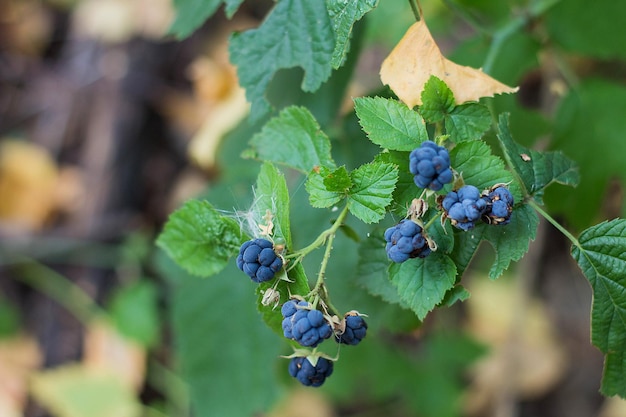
19,357
78,391
28,185
417,57
523,349
107,350
302,402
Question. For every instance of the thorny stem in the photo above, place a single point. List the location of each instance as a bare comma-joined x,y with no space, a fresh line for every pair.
554,223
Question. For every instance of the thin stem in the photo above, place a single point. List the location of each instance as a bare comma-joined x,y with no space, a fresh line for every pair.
416,10
298,255
59,289
554,223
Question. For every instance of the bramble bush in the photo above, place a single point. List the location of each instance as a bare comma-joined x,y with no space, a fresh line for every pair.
385,206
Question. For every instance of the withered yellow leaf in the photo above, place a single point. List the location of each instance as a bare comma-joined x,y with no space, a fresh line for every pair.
416,57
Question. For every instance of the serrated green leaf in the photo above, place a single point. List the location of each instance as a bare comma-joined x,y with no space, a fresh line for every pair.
602,258
337,180
319,196
458,293
292,138
474,161
199,239
406,189
272,196
343,14
468,122
423,283
442,235
296,33
390,124
465,246
191,14
134,311
437,100
372,190
537,170
511,241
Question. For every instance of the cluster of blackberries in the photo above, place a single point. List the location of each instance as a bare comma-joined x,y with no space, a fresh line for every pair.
430,166
258,260
406,240
309,328
467,205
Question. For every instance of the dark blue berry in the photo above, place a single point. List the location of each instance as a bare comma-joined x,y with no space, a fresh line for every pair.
499,206
355,331
258,260
304,325
430,166
308,374
464,207
405,240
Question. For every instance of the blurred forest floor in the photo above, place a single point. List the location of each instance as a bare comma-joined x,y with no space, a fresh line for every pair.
106,126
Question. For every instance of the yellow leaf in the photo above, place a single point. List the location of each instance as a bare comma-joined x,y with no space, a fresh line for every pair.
107,350
416,57
78,391
19,356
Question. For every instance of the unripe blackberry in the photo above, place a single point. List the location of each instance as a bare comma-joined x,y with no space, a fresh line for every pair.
430,166
308,374
306,326
258,260
499,206
406,240
464,207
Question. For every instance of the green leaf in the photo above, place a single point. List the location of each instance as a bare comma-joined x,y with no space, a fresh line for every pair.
199,239
537,170
390,124
296,33
468,122
337,180
474,161
437,100
458,293
596,31
319,196
191,14
372,190
601,256
134,311
423,283
272,195
511,241
465,246
292,138
215,323
344,13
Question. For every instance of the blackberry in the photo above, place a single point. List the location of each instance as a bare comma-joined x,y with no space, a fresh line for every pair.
430,166
356,327
499,206
309,374
464,207
304,325
258,260
406,240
